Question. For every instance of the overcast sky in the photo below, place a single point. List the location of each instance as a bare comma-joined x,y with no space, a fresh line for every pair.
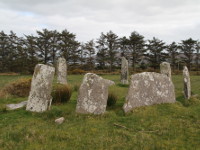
168,20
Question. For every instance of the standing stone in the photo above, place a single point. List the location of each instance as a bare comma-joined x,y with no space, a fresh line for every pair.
165,69
186,82
93,94
61,70
124,71
149,88
39,99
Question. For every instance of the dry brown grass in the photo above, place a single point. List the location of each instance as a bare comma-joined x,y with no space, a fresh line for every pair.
61,93
20,87
9,74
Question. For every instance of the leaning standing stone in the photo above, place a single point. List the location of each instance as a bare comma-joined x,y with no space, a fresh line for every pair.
149,88
39,99
186,82
165,69
61,71
124,71
93,94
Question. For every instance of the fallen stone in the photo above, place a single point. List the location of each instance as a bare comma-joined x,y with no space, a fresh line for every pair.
186,83
16,106
59,120
93,94
165,69
124,71
149,88
39,99
61,71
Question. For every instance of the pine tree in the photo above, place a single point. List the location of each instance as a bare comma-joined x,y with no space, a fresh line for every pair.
4,51
69,46
102,52
89,50
155,52
43,43
31,48
107,45
188,48
173,52
136,46
197,58
124,46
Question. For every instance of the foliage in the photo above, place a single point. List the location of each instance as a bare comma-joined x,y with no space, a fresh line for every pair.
21,54
173,52
112,99
77,71
107,46
20,87
76,87
136,45
188,47
61,93
155,49
89,51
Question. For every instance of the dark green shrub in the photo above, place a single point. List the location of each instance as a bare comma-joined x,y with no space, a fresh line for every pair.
76,87
20,87
61,93
112,99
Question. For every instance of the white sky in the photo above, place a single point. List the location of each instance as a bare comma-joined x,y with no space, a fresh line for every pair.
168,20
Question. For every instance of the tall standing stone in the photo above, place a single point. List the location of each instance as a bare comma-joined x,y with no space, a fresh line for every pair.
93,94
186,82
124,71
165,69
149,88
61,71
39,99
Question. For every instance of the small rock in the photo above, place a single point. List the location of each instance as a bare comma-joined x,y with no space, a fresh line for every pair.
59,120
16,106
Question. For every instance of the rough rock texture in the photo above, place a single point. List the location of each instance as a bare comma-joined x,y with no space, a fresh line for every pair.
124,71
149,88
16,106
59,120
186,82
93,94
39,99
165,69
61,71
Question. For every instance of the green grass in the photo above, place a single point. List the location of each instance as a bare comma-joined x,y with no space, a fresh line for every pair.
158,127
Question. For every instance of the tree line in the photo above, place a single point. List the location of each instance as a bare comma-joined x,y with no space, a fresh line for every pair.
21,54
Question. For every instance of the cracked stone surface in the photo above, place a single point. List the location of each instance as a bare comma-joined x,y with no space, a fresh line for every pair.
186,82
124,71
165,69
149,88
61,70
39,99
93,94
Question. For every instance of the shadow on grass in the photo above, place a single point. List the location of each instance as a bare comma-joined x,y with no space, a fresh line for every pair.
123,85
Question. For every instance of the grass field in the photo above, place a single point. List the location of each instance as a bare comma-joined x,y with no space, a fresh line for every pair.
158,127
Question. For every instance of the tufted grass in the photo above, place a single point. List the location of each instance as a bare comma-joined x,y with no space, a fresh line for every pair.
158,127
